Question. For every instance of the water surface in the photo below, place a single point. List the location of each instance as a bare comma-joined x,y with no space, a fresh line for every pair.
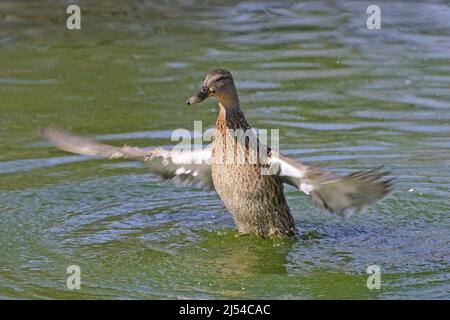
343,97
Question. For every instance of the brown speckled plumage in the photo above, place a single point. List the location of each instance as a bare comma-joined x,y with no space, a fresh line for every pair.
256,201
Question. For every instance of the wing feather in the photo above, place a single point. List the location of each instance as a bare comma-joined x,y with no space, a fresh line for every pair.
344,196
186,167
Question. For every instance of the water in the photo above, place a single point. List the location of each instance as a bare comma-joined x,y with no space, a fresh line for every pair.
344,98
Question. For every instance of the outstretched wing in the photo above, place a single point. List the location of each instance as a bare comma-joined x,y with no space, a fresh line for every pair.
187,167
344,196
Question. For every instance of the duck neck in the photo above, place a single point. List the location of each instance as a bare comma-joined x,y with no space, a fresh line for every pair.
229,101
230,114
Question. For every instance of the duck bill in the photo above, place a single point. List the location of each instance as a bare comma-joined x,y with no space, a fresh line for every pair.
199,97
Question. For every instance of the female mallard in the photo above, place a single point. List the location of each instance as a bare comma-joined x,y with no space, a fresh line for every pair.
251,187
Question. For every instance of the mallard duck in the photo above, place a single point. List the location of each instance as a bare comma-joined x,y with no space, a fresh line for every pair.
253,195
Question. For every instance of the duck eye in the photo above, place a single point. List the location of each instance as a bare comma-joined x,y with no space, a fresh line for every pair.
221,78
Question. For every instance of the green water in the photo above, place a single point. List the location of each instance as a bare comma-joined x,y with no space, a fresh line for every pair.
343,97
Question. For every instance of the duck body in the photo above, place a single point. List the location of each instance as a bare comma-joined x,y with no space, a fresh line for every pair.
254,198
256,201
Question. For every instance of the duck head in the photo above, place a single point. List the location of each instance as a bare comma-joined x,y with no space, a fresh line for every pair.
218,83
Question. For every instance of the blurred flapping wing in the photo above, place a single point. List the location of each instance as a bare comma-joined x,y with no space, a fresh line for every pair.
186,167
